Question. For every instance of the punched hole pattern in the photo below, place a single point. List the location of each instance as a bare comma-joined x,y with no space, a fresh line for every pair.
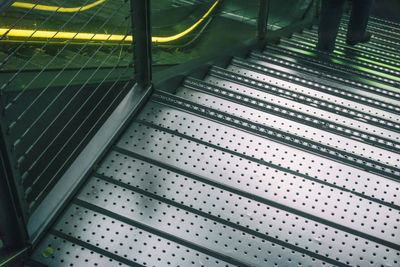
125,240
271,152
67,254
341,102
317,199
307,109
298,129
191,227
262,218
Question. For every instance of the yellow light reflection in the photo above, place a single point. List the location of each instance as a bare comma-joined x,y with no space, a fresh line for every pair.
56,8
64,35
98,37
179,35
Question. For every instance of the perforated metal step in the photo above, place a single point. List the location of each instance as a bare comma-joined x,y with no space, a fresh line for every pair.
342,64
384,23
270,161
384,31
357,91
371,50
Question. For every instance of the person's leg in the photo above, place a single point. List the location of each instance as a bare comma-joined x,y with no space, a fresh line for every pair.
356,31
331,13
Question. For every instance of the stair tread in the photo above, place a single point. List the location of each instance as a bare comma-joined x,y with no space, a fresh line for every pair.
277,158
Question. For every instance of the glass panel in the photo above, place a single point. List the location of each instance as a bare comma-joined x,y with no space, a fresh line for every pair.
68,39
64,65
184,30
285,13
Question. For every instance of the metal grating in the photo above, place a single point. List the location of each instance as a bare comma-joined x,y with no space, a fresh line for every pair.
261,163
66,253
356,91
241,209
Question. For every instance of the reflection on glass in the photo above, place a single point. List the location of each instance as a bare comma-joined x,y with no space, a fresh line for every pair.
219,25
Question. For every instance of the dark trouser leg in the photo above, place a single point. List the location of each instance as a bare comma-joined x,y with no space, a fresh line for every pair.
359,19
331,13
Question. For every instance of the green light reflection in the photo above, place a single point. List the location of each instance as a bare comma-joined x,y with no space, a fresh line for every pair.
358,58
374,72
307,53
376,84
377,63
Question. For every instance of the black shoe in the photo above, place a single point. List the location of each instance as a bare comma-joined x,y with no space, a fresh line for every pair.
325,51
324,48
367,36
365,39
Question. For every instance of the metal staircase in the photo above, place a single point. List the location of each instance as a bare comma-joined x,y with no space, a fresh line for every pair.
286,157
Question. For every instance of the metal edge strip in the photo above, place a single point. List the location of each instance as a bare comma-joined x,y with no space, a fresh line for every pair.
278,136
55,201
300,117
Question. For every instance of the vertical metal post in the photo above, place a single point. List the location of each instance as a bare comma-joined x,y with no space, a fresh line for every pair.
262,19
13,208
141,30
13,232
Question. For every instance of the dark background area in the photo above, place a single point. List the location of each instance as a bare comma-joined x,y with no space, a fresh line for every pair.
387,9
